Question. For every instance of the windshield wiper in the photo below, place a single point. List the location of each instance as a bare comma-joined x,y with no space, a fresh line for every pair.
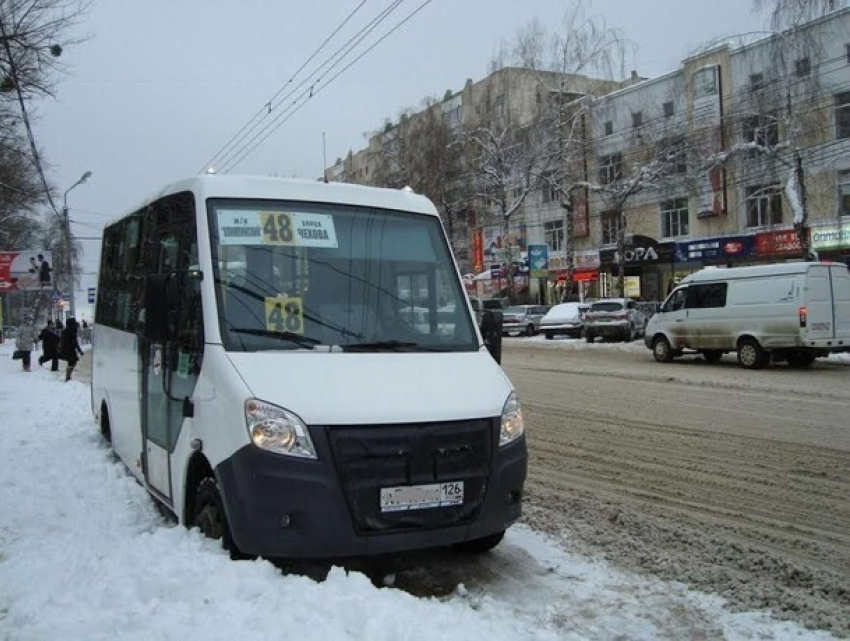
390,346
299,339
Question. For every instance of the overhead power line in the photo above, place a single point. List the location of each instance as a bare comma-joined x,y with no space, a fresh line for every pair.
268,105
278,121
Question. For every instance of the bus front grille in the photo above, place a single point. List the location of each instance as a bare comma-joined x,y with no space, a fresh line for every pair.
368,458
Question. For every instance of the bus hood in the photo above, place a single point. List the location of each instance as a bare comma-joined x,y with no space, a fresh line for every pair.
344,388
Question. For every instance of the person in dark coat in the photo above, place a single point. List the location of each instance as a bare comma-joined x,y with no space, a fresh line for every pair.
50,338
69,347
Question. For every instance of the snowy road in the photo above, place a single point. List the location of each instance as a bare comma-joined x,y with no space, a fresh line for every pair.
84,555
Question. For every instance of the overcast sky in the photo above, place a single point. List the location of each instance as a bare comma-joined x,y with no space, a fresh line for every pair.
158,87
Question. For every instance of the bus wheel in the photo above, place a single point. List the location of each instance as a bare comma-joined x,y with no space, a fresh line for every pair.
210,518
480,546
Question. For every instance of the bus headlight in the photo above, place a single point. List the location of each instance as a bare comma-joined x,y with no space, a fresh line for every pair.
513,425
274,429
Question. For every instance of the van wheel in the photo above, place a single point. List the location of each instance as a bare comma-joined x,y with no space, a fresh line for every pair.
209,516
712,355
529,331
661,350
751,355
549,336
589,337
480,546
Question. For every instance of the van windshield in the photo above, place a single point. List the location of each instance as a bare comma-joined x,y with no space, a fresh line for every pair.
294,275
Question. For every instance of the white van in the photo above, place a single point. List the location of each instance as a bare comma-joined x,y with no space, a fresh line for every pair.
792,312
293,367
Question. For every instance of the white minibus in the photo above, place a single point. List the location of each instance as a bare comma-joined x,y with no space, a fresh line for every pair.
258,367
793,312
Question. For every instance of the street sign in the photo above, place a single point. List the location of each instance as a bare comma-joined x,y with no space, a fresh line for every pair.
55,296
495,271
91,294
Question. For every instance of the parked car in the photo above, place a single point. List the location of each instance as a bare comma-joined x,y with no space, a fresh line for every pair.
614,319
566,318
523,319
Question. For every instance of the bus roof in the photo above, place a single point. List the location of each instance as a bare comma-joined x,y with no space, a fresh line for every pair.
709,274
206,186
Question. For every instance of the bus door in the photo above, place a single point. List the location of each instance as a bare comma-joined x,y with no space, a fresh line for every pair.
171,351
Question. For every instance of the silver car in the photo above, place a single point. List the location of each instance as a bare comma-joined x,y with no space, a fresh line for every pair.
614,319
523,319
566,318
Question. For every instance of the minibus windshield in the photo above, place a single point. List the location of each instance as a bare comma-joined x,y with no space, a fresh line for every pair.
310,276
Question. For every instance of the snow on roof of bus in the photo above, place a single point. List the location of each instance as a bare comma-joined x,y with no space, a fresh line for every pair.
727,273
298,189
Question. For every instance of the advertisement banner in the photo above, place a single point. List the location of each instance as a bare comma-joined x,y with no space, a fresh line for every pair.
25,270
831,237
724,247
581,225
778,243
538,260
477,251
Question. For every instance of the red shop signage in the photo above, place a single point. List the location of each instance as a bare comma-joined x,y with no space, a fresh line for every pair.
781,243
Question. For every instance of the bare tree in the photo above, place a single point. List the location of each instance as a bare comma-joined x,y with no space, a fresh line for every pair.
421,151
791,13
574,63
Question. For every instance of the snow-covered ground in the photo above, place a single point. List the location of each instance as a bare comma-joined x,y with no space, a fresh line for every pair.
84,554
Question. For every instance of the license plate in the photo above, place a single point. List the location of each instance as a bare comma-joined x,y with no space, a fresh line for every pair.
421,497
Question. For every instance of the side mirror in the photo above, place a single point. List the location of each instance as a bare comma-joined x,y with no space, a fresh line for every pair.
491,331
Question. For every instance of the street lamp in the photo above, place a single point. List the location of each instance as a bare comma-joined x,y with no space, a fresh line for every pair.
69,264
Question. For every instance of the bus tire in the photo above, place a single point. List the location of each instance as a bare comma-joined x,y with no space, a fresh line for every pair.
210,517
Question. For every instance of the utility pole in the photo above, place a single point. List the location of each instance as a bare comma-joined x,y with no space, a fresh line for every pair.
69,264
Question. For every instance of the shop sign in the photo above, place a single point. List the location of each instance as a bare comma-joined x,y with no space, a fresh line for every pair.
640,250
782,243
588,259
714,248
831,237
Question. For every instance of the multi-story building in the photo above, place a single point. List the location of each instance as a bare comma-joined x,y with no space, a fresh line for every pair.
731,159
740,156
496,113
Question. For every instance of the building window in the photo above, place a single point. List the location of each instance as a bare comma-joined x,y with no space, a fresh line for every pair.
609,127
611,221
844,193
803,67
637,119
669,109
764,206
674,218
842,115
553,232
549,188
705,82
610,168
756,81
762,129
672,153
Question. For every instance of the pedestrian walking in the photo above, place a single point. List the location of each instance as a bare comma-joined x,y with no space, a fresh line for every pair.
69,347
25,342
50,338
43,271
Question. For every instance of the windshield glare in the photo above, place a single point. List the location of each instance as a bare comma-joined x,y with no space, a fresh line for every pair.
314,276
